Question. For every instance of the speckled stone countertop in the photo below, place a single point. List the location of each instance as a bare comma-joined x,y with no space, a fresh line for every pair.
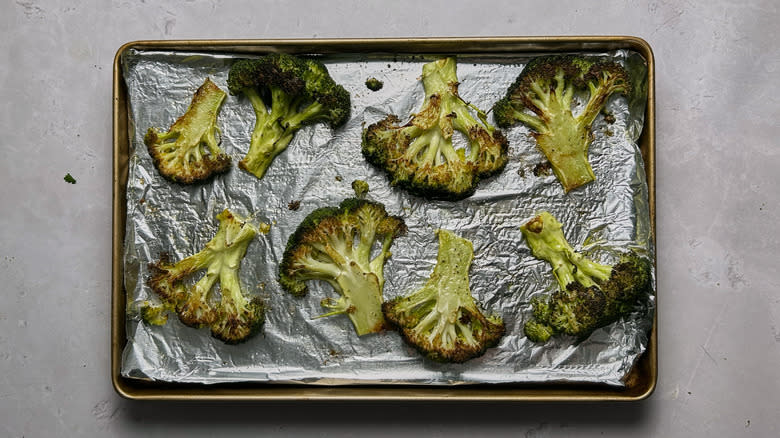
717,171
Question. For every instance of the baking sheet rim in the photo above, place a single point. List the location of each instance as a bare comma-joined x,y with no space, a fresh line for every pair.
641,381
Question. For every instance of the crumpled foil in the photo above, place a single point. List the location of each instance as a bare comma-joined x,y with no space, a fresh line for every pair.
317,169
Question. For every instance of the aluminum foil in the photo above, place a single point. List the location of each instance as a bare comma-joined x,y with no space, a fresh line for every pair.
317,169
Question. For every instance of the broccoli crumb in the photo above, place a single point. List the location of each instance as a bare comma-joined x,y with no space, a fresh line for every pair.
294,205
374,84
69,179
360,187
339,178
543,169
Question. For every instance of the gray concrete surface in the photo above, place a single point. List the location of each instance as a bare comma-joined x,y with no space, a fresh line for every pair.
718,164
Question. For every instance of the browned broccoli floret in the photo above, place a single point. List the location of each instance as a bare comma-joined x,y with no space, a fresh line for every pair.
336,244
235,316
442,319
542,96
420,155
189,151
590,294
286,93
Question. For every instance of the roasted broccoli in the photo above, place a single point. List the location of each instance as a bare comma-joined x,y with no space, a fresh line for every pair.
542,96
591,295
442,320
420,155
235,317
286,93
189,151
335,244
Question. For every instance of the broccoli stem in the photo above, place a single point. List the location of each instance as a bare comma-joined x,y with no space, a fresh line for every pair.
534,122
600,91
544,235
233,301
439,77
274,130
362,299
378,262
562,137
449,282
463,121
565,143
349,270
590,268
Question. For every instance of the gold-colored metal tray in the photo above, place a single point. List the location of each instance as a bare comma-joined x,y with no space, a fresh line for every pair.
639,384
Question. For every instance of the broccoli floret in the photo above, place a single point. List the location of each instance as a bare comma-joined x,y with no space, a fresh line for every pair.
189,151
286,93
590,295
374,84
420,156
335,244
360,187
442,320
542,96
235,317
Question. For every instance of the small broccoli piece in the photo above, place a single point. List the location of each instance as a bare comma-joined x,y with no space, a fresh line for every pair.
335,244
442,320
420,157
286,93
591,295
155,313
542,96
189,151
360,187
69,179
235,317
374,84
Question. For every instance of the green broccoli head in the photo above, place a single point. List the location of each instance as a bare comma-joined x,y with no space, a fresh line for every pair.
420,155
442,320
286,93
189,151
336,245
542,96
233,318
590,295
